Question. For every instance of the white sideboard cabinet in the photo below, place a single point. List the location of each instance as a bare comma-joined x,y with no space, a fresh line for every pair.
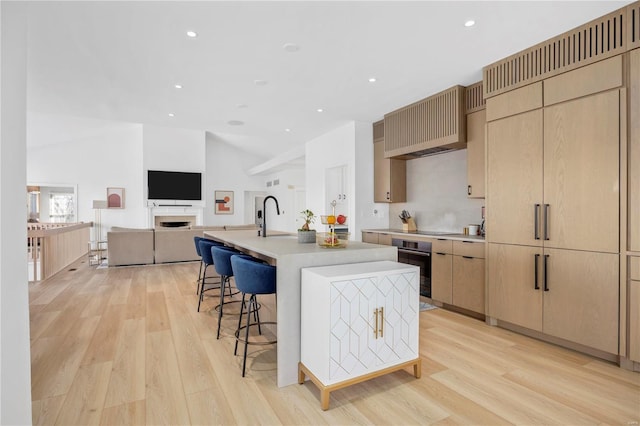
358,321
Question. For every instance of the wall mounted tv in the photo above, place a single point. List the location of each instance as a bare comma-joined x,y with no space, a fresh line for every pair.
164,185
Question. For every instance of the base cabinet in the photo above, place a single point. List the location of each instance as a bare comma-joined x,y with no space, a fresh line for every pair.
634,308
568,294
468,283
357,320
441,277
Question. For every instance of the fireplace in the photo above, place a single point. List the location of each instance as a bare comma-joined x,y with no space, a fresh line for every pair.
174,221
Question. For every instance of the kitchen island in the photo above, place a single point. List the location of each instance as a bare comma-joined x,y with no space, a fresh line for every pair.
289,257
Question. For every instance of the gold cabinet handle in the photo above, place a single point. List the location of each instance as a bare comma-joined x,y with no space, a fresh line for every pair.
375,330
381,322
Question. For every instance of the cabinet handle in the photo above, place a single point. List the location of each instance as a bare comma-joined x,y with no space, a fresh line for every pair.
546,221
536,221
381,321
375,330
546,282
467,257
469,190
441,254
535,272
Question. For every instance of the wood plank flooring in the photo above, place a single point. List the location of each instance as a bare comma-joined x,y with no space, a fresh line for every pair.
125,346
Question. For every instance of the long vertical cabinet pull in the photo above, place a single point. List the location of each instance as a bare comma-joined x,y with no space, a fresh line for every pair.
546,276
536,221
535,272
382,322
375,330
546,221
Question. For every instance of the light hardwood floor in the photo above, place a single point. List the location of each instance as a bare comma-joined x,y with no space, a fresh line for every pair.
126,346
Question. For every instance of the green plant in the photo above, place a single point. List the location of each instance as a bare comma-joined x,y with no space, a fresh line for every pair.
309,218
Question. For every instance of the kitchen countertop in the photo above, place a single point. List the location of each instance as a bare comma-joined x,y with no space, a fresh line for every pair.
429,234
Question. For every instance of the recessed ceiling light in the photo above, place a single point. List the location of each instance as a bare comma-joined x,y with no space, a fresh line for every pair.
291,47
372,80
243,106
319,110
287,130
178,86
470,23
192,34
235,123
260,82
171,114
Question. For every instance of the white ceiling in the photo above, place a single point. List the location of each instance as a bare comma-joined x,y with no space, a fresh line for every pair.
120,61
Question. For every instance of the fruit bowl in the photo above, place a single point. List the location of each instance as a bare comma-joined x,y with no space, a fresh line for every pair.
333,220
332,240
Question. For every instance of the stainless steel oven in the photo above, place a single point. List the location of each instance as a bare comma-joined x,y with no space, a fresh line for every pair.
416,253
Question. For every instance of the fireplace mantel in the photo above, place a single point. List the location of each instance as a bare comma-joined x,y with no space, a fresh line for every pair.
196,211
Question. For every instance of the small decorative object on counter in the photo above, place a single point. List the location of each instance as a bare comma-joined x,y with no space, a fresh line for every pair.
408,224
332,239
305,234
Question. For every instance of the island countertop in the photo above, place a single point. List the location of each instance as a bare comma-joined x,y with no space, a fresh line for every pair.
283,251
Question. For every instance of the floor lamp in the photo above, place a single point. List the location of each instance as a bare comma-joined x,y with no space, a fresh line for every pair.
98,205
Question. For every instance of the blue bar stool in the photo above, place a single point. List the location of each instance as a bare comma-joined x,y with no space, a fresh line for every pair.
205,251
252,277
196,240
222,263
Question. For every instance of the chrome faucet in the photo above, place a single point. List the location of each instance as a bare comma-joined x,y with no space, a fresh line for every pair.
264,213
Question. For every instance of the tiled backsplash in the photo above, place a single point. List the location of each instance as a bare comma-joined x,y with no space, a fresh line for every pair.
437,194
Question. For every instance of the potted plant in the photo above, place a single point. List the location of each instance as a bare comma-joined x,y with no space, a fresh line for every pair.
305,234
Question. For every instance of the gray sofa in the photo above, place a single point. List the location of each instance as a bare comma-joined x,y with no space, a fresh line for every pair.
129,246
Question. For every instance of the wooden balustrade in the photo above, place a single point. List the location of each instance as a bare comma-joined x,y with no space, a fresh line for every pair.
53,246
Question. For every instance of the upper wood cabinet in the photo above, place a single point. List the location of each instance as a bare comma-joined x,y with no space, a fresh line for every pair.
432,125
390,174
475,154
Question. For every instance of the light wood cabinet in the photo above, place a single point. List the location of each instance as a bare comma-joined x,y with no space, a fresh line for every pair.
553,219
389,175
441,277
580,297
582,173
634,308
370,237
468,283
384,239
357,320
475,154
514,179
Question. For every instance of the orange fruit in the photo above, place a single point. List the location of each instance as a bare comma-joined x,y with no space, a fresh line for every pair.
331,220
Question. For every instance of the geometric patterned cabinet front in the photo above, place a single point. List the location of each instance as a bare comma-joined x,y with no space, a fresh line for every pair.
358,319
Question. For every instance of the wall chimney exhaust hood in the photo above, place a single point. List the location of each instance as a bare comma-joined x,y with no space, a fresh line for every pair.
431,126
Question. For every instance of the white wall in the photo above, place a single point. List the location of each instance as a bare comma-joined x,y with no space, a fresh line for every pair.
226,171
111,158
437,194
15,356
284,191
351,145
170,149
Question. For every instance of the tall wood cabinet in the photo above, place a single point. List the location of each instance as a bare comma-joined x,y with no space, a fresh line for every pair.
390,174
553,214
475,154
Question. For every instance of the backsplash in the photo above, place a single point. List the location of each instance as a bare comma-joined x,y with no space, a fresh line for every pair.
437,194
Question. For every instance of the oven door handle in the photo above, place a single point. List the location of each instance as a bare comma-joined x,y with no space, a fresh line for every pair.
419,253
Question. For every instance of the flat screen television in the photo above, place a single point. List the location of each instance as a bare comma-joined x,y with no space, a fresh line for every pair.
164,185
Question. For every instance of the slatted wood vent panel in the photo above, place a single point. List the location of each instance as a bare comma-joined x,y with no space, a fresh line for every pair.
599,39
474,98
432,125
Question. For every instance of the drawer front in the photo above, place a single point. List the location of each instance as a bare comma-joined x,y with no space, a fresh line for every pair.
384,239
469,249
370,237
441,246
634,268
